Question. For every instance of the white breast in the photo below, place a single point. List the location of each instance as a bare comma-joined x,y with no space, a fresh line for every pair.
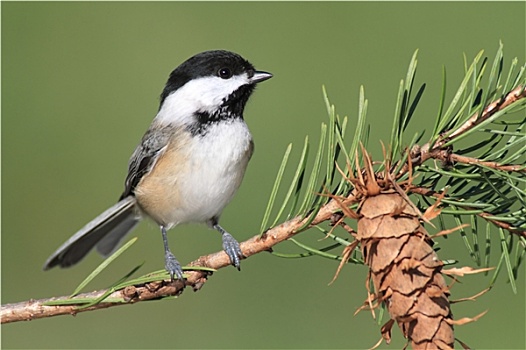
215,167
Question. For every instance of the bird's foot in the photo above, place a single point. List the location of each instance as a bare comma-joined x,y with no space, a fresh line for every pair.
232,249
173,267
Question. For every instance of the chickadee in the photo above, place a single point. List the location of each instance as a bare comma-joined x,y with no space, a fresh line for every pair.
189,163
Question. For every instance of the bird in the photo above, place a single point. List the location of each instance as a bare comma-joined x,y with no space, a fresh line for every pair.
189,163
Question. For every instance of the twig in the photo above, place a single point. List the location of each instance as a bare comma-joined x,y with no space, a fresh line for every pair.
420,154
34,309
513,96
486,216
520,168
503,225
446,157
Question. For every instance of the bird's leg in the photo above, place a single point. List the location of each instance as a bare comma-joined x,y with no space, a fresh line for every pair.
230,245
170,262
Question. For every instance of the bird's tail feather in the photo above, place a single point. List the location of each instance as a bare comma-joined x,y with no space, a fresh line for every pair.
105,232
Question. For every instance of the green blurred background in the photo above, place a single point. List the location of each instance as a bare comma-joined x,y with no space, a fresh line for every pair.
80,85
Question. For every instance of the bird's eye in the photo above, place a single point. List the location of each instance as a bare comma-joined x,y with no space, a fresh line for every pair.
224,73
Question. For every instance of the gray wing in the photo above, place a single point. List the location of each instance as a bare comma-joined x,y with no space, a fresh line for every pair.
145,155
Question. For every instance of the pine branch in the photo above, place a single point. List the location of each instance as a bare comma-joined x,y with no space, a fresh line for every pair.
427,151
405,273
440,151
154,288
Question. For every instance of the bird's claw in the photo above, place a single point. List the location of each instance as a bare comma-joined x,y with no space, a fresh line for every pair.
173,267
232,249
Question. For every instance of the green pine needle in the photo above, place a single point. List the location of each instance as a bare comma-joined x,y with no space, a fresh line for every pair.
103,266
275,188
296,182
507,260
315,173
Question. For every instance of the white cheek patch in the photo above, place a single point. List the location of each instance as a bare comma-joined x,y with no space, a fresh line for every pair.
198,95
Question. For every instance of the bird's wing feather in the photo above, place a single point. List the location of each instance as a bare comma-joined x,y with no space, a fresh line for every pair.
143,159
